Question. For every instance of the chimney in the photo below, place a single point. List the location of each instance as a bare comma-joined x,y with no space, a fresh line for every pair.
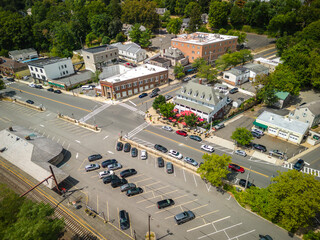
271,118
200,81
10,129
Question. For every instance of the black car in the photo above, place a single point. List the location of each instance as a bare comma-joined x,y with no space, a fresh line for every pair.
160,148
265,237
57,91
259,147
128,173
118,182
165,203
160,162
242,183
94,157
233,90
50,90
127,147
119,146
169,167
156,90
134,152
30,101
299,165
108,162
153,94
134,191
38,86
195,137
256,135
110,178
10,79
124,220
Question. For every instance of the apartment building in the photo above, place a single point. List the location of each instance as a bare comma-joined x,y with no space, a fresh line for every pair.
204,45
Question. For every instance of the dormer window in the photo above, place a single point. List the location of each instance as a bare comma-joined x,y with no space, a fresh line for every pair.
190,92
196,94
183,90
202,96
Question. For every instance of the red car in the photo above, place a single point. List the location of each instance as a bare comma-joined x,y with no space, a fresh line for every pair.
182,133
236,167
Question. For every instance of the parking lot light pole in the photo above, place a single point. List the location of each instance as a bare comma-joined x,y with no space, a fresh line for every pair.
149,217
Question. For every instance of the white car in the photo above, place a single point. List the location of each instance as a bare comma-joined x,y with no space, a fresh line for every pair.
143,155
32,85
87,87
167,128
240,152
105,173
175,154
207,148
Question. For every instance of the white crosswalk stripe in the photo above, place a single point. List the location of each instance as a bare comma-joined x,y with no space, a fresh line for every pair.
142,142
307,170
132,108
9,83
95,112
137,130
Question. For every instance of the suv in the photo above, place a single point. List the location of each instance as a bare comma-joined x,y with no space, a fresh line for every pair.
119,146
127,147
128,173
110,178
242,183
219,126
165,203
134,191
233,90
184,217
156,90
160,148
91,167
94,157
108,162
169,167
118,182
259,147
160,162
134,152
298,165
127,187
124,220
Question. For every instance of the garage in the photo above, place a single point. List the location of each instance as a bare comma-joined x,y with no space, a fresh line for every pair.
294,138
272,131
283,134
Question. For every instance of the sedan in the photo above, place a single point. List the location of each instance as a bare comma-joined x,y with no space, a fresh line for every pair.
105,174
168,97
219,126
124,220
169,167
233,90
50,90
256,135
108,162
119,146
160,148
134,152
110,178
128,173
242,183
241,153
236,167
167,128
57,91
134,191
154,94
259,147
94,157
30,101
299,165
191,161
195,137
175,154
91,167
143,95
165,203
207,148
127,187
182,133
127,147
32,85
114,166
118,182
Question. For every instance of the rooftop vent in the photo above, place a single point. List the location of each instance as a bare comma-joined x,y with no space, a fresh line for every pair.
10,129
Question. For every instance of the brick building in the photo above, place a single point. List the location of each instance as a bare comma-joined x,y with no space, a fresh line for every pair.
119,81
10,67
204,45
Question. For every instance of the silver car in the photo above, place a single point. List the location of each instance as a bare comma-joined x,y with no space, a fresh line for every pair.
127,187
241,153
92,166
114,166
167,128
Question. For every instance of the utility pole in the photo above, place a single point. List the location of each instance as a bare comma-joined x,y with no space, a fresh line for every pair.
71,87
245,187
149,217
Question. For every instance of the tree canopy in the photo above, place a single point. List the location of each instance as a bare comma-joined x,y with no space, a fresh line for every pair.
242,136
158,101
166,109
232,59
179,71
174,25
191,119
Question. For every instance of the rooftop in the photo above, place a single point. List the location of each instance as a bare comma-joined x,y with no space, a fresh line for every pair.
9,63
284,123
314,107
78,77
101,48
273,62
282,95
23,53
254,67
129,47
46,61
201,38
160,60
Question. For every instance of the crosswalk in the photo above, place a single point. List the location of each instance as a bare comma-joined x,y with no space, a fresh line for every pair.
142,142
94,112
137,130
307,170
9,83
132,108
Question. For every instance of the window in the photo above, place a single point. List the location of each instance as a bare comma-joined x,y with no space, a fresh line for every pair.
198,53
88,57
106,55
115,53
192,46
117,88
118,95
65,66
182,44
129,85
140,82
146,81
141,89
198,47
226,76
157,78
192,57
36,69
304,114
151,80
297,117
161,76
41,70
130,92
188,45
205,53
124,94
135,84
123,86
192,52
31,68
67,71
61,66
64,72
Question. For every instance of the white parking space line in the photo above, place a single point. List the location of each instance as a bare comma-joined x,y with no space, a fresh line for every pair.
41,125
110,152
77,141
105,137
68,146
133,103
184,175
199,207
195,181
77,155
53,138
237,237
143,180
151,184
222,230
58,140
208,188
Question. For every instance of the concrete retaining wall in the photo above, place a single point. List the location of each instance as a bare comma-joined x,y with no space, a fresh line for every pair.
28,105
77,122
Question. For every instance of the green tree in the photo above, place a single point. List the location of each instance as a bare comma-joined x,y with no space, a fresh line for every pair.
166,109
166,16
158,101
145,37
179,71
232,59
135,33
95,76
90,38
269,95
180,6
121,37
242,36
114,28
242,136
214,168
237,16
315,68
198,62
2,85
99,24
174,25
114,9
283,23
207,72
195,16
311,236
191,119
105,40
218,14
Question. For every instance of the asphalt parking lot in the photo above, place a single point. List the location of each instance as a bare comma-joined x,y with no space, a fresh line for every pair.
257,41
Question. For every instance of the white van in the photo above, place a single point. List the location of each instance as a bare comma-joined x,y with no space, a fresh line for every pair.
143,155
87,87
258,131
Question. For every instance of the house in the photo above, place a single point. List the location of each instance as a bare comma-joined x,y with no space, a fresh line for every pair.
283,127
208,46
161,11
23,54
98,57
308,113
206,102
283,99
11,67
256,70
269,63
50,68
81,77
204,18
119,81
131,52
160,62
185,24
175,56
126,28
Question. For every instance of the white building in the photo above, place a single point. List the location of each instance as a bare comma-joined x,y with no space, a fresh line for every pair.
23,54
269,63
50,68
131,52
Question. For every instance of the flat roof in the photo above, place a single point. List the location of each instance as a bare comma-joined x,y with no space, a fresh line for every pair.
101,48
274,62
46,61
202,38
160,60
140,71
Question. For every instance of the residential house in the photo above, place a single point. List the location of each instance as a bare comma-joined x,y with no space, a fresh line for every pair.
206,102
98,57
185,24
308,113
175,56
11,67
126,28
269,63
23,54
204,18
50,68
131,52
283,127
256,70
283,99
161,11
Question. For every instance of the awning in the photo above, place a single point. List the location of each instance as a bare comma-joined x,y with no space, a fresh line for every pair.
56,84
260,125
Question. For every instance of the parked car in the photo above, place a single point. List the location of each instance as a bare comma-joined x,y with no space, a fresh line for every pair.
259,147
167,128
184,217
114,166
207,148
182,133
236,167
160,148
50,90
134,152
134,191
234,90
299,165
127,187
38,86
57,91
105,173
175,154
124,220
128,173
242,183
142,95
109,178
255,134
127,147
10,79
144,155
108,162
165,203
153,94
118,182
32,85
186,79
219,126
265,237
94,157
30,101
156,90
241,153
160,162
191,161
168,97
92,167
277,153
169,167
195,137
119,146
258,131
87,87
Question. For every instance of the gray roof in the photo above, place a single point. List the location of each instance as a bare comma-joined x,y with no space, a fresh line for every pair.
46,61
101,48
283,122
160,60
172,52
76,78
236,71
186,20
254,67
314,107
130,47
196,106
23,53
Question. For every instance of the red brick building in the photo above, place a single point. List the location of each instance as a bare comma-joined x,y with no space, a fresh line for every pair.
10,67
204,45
